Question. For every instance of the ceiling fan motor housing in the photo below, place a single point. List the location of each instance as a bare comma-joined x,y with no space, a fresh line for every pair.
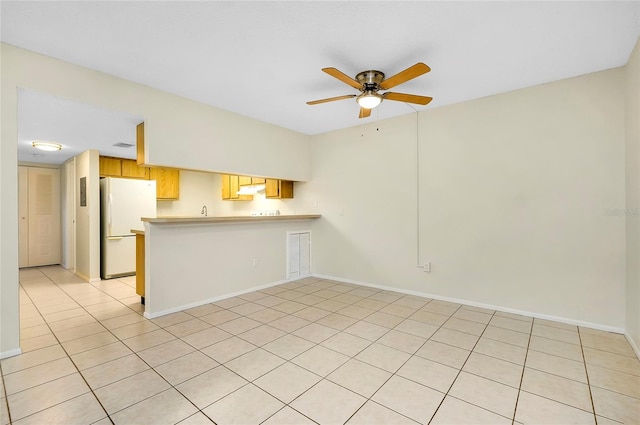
370,80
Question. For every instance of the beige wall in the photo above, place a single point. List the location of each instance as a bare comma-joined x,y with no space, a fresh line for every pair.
196,190
178,132
515,191
514,195
201,188
88,217
632,213
212,261
9,303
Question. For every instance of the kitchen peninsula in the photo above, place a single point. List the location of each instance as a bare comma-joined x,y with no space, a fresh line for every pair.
191,261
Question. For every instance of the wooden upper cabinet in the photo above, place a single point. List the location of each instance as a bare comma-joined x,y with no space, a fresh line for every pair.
274,188
226,190
131,170
167,179
140,143
110,167
230,188
247,181
167,182
278,189
244,180
234,187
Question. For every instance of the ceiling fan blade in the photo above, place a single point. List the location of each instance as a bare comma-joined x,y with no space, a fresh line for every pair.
331,99
409,98
343,77
364,113
404,76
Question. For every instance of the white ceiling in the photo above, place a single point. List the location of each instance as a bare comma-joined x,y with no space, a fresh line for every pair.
263,59
76,126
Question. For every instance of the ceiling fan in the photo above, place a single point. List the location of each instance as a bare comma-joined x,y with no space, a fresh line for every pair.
371,82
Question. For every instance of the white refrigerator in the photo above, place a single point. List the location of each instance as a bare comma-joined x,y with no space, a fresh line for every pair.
123,202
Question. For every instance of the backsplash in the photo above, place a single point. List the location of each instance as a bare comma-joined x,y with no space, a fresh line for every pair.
201,189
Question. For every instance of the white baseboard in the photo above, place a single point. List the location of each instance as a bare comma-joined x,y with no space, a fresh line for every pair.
211,300
568,321
87,278
10,353
633,344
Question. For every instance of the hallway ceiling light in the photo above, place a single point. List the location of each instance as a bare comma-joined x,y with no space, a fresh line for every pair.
46,146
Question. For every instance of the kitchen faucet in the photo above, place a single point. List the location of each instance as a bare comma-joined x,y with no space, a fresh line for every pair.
204,210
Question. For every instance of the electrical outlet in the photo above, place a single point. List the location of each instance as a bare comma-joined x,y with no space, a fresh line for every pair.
254,262
427,267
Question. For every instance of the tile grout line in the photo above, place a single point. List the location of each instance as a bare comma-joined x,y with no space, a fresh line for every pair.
220,364
68,356
462,367
133,352
285,360
121,341
586,371
318,344
394,373
293,314
524,367
350,357
6,395
563,377
461,306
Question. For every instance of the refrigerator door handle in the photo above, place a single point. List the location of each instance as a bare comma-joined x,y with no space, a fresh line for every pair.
114,238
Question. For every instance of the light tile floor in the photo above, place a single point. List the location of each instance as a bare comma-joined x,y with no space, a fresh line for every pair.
310,351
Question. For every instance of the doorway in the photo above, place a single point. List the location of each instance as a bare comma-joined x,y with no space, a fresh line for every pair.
39,215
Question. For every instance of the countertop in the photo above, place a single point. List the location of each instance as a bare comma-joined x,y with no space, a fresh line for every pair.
230,219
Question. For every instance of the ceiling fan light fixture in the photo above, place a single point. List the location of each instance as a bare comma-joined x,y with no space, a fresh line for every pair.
369,99
46,146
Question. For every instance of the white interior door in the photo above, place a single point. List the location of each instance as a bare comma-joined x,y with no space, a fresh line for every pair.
44,216
23,217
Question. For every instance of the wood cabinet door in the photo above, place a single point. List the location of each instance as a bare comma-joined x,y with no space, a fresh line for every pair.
257,180
272,188
230,188
286,189
244,180
226,193
132,170
234,187
140,265
279,189
140,144
167,182
110,167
